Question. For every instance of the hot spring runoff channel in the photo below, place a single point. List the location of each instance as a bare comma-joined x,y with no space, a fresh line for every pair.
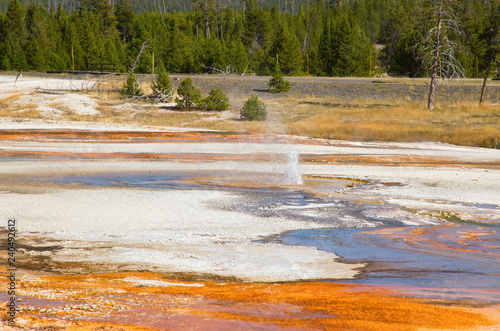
384,236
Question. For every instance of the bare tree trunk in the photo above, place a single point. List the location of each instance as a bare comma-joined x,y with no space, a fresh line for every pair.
483,91
435,63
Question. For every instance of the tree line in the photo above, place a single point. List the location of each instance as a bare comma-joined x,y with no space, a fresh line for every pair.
319,37
141,6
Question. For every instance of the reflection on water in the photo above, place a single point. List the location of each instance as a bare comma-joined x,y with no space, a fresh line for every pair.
163,181
447,259
435,257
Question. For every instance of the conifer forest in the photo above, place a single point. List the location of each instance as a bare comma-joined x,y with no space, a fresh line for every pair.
364,38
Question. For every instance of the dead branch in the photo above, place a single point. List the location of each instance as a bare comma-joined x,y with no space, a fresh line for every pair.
49,91
17,77
133,63
84,89
158,98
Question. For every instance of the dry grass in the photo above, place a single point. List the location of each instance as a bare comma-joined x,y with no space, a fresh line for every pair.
56,103
113,109
113,114
462,124
166,118
25,107
316,109
366,120
19,111
10,98
6,104
30,113
232,125
70,115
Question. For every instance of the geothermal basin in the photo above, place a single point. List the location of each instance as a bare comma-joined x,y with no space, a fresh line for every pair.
416,215
419,219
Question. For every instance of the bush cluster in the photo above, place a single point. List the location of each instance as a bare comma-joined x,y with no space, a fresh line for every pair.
216,100
189,97
253,110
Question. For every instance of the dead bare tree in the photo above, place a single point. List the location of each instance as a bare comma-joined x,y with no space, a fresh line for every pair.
441,43
19,74
492,37
229,70
221,71
85,87
134,62
163,97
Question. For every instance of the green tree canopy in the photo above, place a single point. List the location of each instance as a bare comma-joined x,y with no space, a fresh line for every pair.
188,95
286,46
162,86
345,50
124,14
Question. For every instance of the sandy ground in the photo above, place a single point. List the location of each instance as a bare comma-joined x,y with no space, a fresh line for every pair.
197,230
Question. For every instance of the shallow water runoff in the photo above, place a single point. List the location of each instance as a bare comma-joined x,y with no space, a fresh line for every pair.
421,254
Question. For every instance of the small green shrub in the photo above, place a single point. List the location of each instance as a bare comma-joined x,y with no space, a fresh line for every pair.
277,83
216,100
188,95
253,110
131,87
161,86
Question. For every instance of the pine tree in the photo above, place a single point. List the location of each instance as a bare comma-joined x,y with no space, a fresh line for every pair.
277,83
260,62
216,100
4,45
345,49
403,61
257,29
213,55
17,35
180,57
41,43
162,86
287,46
205,15
253,110
402,37
188,95
103,12
91,44
131,87
325,54
238,57
72,45
124,14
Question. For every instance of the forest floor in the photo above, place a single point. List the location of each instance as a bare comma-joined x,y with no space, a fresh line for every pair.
136,216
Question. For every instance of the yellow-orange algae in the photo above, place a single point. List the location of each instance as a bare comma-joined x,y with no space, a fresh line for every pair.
166,156
246,157
128,135
49,324
318,305
137,136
